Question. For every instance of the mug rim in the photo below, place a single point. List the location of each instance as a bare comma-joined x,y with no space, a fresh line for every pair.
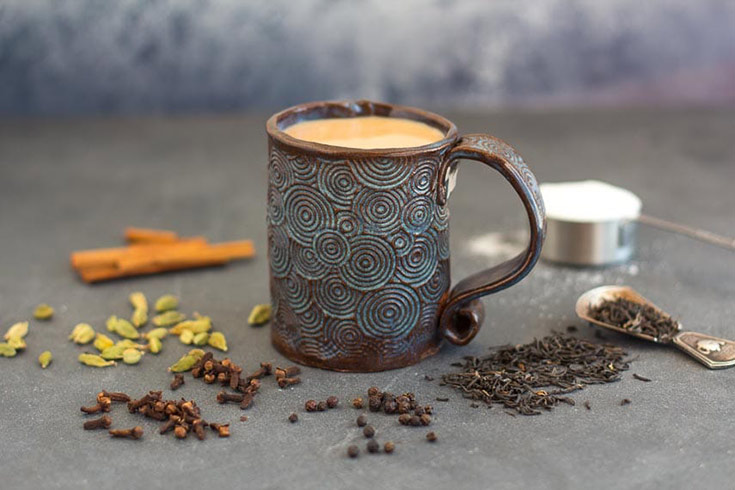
357,108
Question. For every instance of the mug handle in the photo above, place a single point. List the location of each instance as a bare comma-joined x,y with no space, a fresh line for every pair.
463,312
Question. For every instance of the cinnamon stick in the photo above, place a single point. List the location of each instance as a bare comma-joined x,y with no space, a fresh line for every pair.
135,260
109,256
150,235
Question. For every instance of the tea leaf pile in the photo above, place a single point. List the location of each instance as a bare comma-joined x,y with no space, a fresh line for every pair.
533,377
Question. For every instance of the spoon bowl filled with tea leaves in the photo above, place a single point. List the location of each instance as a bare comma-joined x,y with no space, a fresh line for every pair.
622,309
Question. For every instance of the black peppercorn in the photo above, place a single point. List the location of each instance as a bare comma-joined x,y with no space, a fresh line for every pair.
353,451
357,402
388,447
293,418
390,407
373,390
374,403
431,437
368,431
361,421
310,405
425,419
373,446
332,402
321,406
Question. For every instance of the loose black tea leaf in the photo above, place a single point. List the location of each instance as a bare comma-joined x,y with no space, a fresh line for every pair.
625,401
641,378
636,317
534,377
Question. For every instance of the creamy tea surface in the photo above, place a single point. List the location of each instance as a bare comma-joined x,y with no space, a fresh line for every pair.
368,132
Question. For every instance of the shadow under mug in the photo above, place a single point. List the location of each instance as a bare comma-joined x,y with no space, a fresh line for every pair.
358,242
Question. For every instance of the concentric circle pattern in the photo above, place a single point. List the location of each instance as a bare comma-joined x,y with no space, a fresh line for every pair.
337,183
331,247
380,210
345,335
371,264
348,224
436,286
304,169
401,242
389,312
295,290
278,251
311,320
422,180
335,298
354,249
306,213
418,265
382,173
275,206
441,217
442,244
307,262
417,214
280,173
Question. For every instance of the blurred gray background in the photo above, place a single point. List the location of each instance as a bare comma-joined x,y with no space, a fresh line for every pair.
103,57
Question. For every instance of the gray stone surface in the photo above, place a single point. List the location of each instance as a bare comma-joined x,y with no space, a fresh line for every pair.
66,185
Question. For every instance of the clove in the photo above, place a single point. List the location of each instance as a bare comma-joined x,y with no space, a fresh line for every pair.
284,382
134,433
223,430
177,382
224,397
103,422
114,396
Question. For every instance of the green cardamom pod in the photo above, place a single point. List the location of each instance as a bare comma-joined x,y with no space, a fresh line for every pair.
198,353
82,334
139,318
20,329
167,302
128,344
45,359
186,337
200,338
43,312
158,333
154,345
132,356
7,350
102,342
184,364
114,352
168,318
140,307
260,314
122,327
138,301
218,341
94,360
17,343
203,324
111,323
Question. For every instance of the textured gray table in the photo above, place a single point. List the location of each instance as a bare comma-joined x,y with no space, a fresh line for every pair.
68,185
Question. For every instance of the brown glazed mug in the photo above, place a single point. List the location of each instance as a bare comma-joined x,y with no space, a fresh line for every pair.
359,242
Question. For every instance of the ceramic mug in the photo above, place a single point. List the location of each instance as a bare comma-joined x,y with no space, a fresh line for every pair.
359,242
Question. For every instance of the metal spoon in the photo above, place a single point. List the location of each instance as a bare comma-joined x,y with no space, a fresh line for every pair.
713,352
